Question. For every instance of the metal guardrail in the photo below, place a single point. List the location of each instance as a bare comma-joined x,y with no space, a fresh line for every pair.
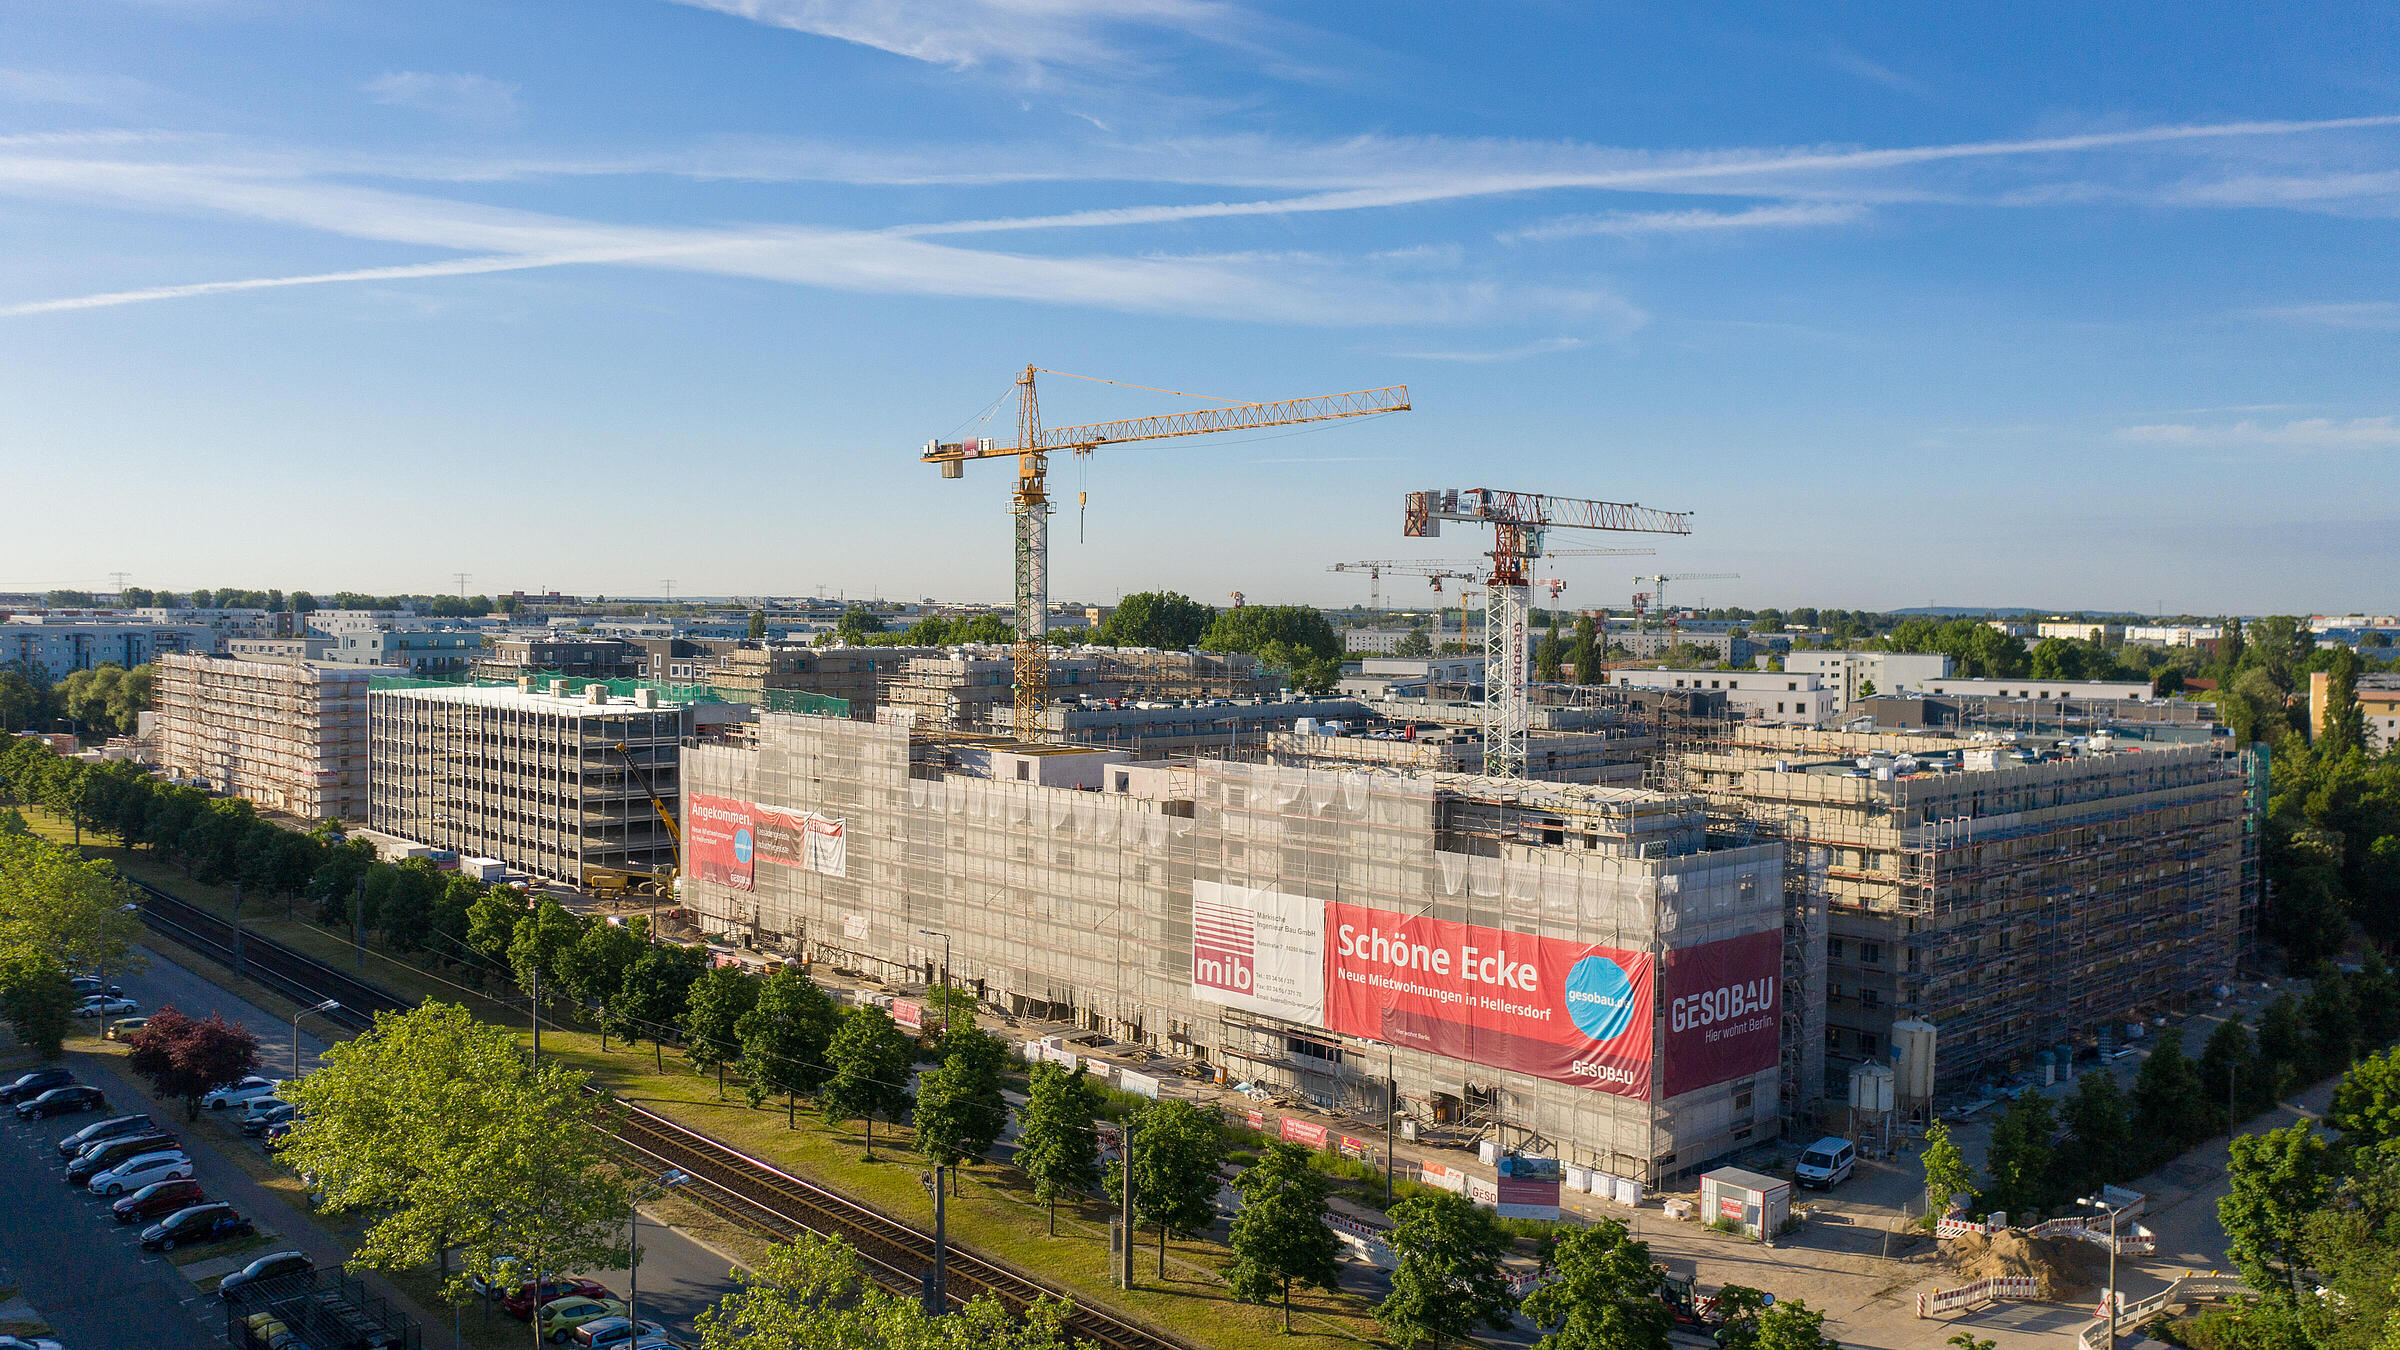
2188,1289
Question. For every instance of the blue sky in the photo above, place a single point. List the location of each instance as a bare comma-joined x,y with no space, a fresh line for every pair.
2057,305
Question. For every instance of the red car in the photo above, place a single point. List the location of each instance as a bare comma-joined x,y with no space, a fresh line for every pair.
521,1301
158,1199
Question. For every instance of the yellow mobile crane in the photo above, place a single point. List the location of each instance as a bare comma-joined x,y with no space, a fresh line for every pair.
614,883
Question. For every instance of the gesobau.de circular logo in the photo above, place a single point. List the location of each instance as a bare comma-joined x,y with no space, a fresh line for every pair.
1600,998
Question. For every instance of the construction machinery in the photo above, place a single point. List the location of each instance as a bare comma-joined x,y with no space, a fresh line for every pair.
1440,570
1520,522
1030,503
665,816
1655,599
624,883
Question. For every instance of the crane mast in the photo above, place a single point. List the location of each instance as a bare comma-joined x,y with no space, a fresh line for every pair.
1520,523
1030,503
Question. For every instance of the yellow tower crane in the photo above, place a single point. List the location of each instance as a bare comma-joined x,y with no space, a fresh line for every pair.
1030,504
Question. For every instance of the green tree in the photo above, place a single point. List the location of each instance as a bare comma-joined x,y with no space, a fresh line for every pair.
758,625
1793,1325
593,969
491,920
785,1036
38,1000
2366,1104
1738,1308
1279,1236
24,699
813,1293
2168,1103
2332,1020
712,1018
857,623
1166,620
1176,1150
2019,1158
1448,1280
2100,1149
873,1063
1947,1176
543,935
2229,1070
1549,656
438,1127
960,1111
2282,1050
1058,1140
1413,643
1603,1294
657,987
2276,1181
987,629
1299,628
57,904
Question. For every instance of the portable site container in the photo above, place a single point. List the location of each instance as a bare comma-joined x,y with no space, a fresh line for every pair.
1758,1204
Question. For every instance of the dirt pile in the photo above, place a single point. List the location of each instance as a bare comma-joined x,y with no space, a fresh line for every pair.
2061,1267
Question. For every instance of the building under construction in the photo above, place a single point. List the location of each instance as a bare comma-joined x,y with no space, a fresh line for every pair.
288,735
2017,897
1549,964
974,688
553,778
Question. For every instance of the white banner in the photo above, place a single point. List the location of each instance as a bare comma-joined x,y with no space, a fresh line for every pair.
1139,1083
828,846
1260,951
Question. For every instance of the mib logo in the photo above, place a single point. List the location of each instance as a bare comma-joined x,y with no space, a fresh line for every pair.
1224,947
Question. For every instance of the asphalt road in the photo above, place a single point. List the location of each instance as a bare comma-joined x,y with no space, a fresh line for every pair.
679,1276
85,1274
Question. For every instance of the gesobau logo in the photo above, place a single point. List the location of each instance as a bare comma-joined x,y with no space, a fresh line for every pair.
1725,1003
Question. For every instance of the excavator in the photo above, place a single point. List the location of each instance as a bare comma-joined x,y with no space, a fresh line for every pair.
619,883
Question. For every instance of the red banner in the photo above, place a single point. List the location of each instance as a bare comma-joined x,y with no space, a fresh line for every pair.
1723,1009
723,841
1303,1132
1256,1120
1568,1011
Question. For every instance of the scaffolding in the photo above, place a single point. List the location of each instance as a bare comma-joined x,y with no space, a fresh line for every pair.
2016,908
290,736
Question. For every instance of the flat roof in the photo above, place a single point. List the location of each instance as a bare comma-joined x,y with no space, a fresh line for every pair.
508,696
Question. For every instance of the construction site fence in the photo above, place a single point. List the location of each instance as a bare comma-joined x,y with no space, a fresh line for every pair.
2186,1289
1967,1297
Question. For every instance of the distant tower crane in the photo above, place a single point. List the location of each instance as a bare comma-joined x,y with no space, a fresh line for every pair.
1031,501
1657,594
1441,569
1520,522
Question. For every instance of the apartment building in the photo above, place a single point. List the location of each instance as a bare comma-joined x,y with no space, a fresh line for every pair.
1849,674
536,779
288,735
58,645
2015,896
1783,697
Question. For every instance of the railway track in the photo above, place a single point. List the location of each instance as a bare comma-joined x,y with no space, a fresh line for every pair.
745,1189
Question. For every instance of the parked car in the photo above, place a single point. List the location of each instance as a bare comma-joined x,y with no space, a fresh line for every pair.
88,985
124,1027
256,1122
105,1005
212,1222
259,1107
109,1152
612,1333
521,1300
240,1093
158,1199
273,1265
504,1278
102,1129
74,1099
35,1084
29,1343
171,1164
1826,1163
560,1316
272,1137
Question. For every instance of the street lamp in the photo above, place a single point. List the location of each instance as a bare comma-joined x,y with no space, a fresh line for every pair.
944,985
2097,1203
327,1006
667,1181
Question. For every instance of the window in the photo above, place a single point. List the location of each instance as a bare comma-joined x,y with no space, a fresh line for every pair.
1866,1042
1833,948
1779,707
1791,684
1024,771
1869,997
1870,951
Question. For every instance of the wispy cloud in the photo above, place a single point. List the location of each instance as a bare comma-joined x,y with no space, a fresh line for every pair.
2366,314
2306,434
55,87
1542,348
1629,223
472,99
964,34
1842,58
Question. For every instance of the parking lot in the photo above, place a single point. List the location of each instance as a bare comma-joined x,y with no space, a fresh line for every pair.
84,1272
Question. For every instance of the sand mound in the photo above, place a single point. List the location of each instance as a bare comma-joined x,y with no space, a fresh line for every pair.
2061,1267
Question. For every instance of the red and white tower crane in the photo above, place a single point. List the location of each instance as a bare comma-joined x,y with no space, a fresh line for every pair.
1520,522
